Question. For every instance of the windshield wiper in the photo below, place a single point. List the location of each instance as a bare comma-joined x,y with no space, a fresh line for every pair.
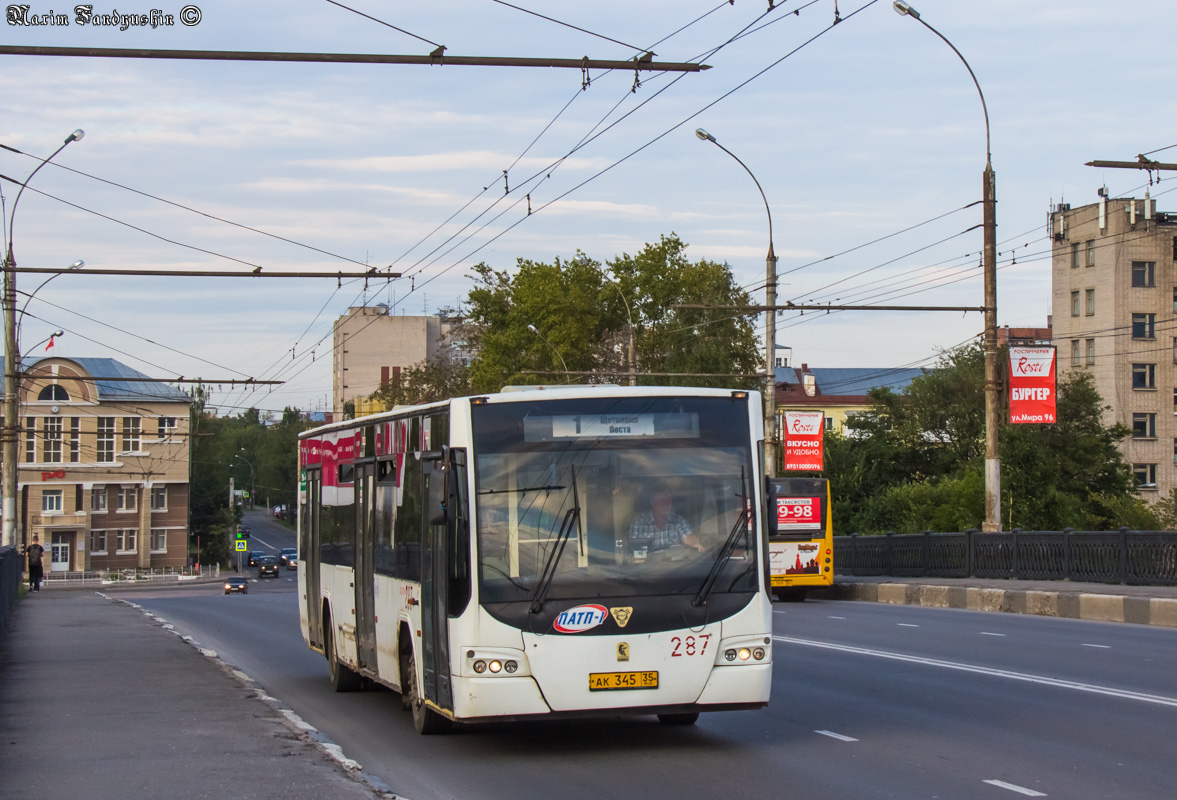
524,489
739,528
571,520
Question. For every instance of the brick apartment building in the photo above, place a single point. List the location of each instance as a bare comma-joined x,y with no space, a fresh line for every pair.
103,478
1114,302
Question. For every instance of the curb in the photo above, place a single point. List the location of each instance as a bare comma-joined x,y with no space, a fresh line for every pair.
1068,605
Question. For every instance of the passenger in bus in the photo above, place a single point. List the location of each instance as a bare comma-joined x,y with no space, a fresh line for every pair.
660,528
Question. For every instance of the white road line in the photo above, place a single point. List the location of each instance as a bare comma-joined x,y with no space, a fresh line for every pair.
1100,646
837,736
833,617
906,625
1015,788
1156,699
987,633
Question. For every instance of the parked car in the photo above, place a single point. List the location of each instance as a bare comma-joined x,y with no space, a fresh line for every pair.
236,583
267,565
288,555
254,555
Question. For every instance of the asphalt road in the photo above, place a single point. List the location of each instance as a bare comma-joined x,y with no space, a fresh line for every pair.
869,701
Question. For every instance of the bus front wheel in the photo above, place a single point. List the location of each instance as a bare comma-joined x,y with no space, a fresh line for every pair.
426,721
343,678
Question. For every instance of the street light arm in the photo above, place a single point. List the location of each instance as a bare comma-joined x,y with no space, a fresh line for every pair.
12,214
984,107
767,211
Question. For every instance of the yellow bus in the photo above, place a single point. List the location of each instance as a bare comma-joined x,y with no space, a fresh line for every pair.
800,536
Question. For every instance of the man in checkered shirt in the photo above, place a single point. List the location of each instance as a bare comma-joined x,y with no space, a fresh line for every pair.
660,528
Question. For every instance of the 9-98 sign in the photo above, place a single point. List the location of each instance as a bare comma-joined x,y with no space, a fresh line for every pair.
798,512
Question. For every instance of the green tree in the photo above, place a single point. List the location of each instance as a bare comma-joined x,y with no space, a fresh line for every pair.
585,318
436,379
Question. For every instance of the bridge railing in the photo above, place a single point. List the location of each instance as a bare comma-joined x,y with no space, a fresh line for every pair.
1124,556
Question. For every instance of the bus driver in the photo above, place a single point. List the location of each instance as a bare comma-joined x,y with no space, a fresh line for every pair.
660,528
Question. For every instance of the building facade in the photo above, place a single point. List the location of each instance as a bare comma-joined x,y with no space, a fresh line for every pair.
103,478
837,392
1114,302
372,347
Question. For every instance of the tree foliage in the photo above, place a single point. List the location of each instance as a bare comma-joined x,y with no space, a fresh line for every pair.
916,461
436,379
584,318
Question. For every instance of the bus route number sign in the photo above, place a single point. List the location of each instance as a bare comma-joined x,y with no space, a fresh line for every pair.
798,512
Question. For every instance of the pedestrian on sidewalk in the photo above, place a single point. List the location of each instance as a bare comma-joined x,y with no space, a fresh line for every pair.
34,551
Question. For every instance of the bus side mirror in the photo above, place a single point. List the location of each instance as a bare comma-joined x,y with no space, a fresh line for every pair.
770,516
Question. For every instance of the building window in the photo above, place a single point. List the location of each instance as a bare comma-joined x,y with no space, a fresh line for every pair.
1144,326
167,427
75,440
159,498
105,452
98,499
130,434
1175,299
1074,304
30,440
1144,274
1076,361
1146,475
1090,352
1144,426
128,499
1144,376
97,543
52,444
1090,302
51,501
829,421
1091,252
128,541
159,540
1074,254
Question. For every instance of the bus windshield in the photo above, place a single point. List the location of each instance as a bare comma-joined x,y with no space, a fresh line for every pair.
655,485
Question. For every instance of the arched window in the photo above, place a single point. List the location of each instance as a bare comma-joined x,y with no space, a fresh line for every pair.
54,392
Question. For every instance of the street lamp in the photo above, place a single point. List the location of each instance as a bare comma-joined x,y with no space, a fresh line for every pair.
633,378
989,202
252,478
770,426
11,428
534,330
76,265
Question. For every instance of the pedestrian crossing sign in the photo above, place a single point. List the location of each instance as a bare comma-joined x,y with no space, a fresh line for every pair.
241,545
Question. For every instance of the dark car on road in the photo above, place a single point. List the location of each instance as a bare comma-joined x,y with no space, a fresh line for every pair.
254,556
236,583
267,566
288,555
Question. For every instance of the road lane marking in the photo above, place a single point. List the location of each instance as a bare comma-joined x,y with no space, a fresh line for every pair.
987,633
1100,646
837,736
833,617
1156,699
907,625
1015,788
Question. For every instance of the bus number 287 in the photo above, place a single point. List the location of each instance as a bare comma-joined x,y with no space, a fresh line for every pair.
690,646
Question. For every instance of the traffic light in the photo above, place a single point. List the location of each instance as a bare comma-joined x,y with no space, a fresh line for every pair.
242,533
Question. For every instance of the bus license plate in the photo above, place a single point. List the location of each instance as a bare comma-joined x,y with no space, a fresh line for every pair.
602,681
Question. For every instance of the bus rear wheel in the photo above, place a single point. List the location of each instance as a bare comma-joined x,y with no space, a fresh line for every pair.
343,678
790,595
679,719
426,721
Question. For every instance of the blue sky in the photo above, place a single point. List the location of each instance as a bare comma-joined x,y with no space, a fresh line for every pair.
872,129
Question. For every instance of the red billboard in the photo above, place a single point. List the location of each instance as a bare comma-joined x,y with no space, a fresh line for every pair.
803,440
1031,385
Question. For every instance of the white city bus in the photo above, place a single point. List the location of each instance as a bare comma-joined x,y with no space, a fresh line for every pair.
512,556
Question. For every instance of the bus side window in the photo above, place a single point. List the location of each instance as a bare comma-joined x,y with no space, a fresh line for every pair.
385,513
409,517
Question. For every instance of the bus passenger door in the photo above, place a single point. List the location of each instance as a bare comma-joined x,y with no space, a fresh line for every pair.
364,572
434,590
308,548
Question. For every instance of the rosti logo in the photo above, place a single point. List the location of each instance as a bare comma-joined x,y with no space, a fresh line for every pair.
581,618
800,426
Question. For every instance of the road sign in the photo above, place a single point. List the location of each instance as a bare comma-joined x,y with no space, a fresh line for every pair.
241,545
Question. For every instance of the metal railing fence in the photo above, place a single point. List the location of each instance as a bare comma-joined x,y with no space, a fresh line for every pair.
1125,556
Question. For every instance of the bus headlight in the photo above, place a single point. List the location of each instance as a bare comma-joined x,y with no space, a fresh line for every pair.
758,653
744,654
480,667
496,667
729,655
511,667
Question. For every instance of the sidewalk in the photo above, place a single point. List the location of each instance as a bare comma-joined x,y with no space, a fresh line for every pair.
98,701
1105,602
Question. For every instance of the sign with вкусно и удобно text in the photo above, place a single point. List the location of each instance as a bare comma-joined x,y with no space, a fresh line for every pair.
803,440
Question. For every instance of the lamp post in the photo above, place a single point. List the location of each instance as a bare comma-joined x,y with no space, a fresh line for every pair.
11,428
534,330
28,298
633,377
989,202
770,426
252,477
